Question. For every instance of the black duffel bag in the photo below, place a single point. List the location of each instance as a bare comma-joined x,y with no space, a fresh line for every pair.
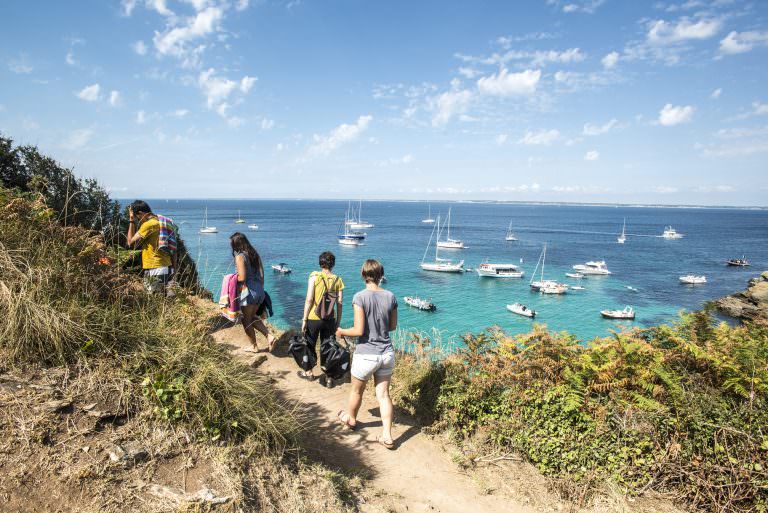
302,352
334,358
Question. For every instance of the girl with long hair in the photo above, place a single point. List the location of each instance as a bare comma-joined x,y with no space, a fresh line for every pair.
250,278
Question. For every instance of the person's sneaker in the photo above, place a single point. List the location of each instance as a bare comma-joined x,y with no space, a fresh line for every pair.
329,382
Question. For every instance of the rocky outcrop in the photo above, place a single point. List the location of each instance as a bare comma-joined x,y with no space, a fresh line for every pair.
749,304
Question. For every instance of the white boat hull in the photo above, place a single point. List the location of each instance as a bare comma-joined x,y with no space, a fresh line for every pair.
521,310
443,267
496,273
693,280
210,229
447,244
350,242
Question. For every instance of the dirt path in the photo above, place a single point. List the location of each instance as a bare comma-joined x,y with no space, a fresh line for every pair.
418,476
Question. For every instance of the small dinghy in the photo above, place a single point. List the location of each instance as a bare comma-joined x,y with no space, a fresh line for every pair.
628,313
630,287
421,304
692,279
253,226
521,309
576,276
282,268
576,287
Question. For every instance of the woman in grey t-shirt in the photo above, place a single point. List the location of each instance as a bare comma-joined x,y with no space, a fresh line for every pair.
375,316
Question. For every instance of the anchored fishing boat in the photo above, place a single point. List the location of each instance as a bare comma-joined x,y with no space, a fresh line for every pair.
737,262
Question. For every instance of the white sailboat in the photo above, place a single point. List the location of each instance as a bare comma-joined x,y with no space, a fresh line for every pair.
449,243
541,283
623,237
429,219
239,219
510,236
359,224
205,228
350,237
443,265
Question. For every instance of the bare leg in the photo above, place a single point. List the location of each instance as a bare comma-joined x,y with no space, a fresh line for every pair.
385,406
258,323
249,315
355,399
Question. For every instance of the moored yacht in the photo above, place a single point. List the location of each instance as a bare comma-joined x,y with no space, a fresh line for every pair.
597,268
442,265
623,237
692,279
449,243
627,313
429,219
670,233
510,236
489,270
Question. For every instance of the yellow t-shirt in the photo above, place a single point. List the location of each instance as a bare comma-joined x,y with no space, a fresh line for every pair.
324,282
151,258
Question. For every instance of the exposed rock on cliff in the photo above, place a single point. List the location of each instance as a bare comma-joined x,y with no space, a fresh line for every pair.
749,304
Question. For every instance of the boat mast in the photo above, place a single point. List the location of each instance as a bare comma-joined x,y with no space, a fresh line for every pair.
428,243
448,237
533,274
543,259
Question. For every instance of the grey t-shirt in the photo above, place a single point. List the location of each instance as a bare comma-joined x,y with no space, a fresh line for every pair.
378,306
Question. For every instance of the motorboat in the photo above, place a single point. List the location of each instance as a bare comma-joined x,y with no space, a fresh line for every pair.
521,309
421,304
597,268
575,276
205,228
350,242
443,265
692,279
737,262
282,268
429,219
510,236
630,287
576,287
239,219
253,226
449,243
557,288
623,237
489,270
671,234
627,313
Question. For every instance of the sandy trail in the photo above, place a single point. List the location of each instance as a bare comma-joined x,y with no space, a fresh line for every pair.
418,476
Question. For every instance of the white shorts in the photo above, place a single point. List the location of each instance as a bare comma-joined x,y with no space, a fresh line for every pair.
379,365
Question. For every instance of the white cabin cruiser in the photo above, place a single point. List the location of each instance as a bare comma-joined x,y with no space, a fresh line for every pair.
627,313
692,279
597,268
557,288
421,304
489,270
670,233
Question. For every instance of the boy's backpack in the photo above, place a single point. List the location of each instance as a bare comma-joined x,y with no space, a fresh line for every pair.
302,352
334,359
325,307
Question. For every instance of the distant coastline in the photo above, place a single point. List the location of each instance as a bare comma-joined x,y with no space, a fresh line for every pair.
476,202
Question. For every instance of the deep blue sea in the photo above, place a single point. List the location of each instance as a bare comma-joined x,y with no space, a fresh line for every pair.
296,231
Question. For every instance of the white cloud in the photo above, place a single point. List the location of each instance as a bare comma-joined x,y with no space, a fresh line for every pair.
160,7
739,149
175,41
501,139
716,93
180,113
610,60
510,84
141,117
139,47
540,58
70,58
741,132
77,139
587,7
661,32
267,124
671,115
326,144
665,189
592,155
714,188
542,137
241,5
218,89
590,129
128,6
742,42
758,109
114,98
91,93
469,73
20,66
448,105
235,121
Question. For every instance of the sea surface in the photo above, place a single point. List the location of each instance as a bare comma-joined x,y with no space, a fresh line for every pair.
296,231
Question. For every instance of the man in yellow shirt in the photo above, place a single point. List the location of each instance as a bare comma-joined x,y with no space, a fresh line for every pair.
144,232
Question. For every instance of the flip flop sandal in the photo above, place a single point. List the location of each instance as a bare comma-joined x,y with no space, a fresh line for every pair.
389,444
343,418
303,376
251,350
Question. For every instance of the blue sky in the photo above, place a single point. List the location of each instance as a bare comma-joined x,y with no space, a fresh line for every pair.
545,100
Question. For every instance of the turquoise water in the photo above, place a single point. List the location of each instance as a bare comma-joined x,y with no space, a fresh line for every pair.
296,232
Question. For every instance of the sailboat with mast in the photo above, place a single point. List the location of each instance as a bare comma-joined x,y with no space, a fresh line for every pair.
350,237
239,219
429,219
443,265
205,228
623,237
510,236
449,243
359,224
542,284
